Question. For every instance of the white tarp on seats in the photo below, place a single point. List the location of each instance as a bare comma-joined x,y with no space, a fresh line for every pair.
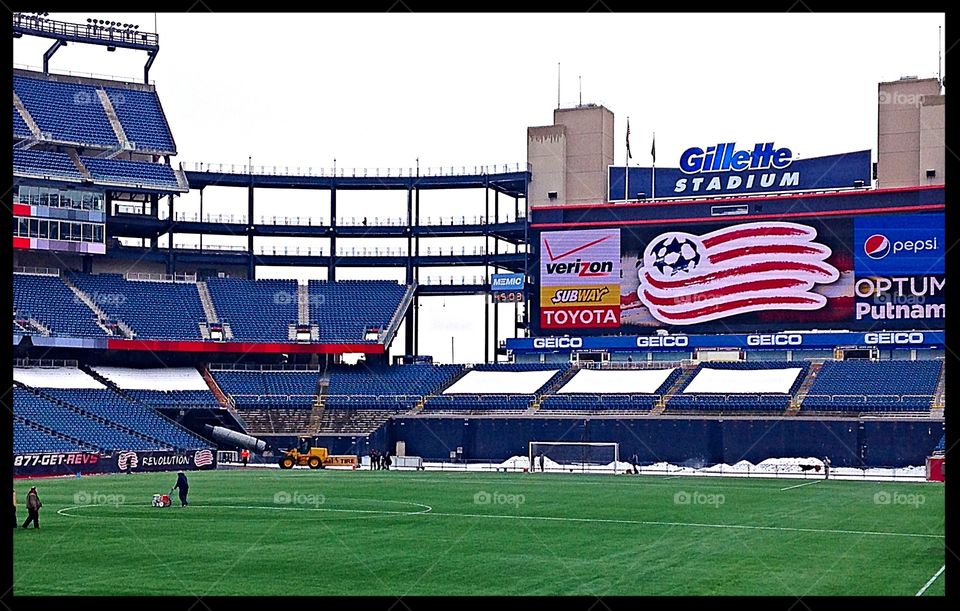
176,378
613,381
60,377
743,381
500,382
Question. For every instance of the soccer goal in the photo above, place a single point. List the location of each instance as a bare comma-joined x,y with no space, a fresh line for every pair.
574,456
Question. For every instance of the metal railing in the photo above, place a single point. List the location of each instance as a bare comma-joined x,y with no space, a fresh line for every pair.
212,247
619,365
247,399
380,399
261,367
335,172
45,363
209,218
83,74
847,399
156,277
476,279
37,271
105,33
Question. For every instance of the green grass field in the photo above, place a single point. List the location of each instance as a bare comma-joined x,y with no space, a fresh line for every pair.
426,533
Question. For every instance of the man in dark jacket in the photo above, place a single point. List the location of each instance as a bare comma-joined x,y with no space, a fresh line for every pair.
183,486
33,508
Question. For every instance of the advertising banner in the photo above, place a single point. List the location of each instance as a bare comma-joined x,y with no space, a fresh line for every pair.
580,279
69,463
753,341
729,169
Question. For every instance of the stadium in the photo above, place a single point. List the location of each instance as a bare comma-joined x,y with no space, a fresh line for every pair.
730,364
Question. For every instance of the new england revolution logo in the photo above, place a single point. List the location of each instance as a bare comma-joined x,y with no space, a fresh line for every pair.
688,279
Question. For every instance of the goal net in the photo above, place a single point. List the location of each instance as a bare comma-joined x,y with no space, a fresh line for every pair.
574,456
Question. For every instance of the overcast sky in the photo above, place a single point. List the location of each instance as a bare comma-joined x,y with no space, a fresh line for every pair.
382,90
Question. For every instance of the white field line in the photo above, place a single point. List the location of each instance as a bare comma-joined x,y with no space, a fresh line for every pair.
930,583
816,481
428,511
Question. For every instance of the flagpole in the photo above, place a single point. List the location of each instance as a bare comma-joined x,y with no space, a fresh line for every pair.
626,172
653,170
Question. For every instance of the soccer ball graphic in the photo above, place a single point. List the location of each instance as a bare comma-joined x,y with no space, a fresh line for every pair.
674,254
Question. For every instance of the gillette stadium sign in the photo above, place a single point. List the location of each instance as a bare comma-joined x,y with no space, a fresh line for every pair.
728,168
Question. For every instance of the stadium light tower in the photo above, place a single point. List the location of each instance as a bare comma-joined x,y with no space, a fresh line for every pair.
110,34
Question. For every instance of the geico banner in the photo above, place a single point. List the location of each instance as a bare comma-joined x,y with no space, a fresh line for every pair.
70,463
754,341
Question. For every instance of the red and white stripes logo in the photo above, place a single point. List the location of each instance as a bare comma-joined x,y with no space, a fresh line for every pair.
202,458
688,279
127,460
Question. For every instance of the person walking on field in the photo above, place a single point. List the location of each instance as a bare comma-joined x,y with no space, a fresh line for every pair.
33,508
184,486
244,456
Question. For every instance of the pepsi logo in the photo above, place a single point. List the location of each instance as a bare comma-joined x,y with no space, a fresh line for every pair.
877,246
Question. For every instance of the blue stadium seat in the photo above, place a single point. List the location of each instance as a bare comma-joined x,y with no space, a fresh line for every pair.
142,119
344,309
154,310
54,416
142,173
70,112
256,310
45,163
50,301
871,386
282,389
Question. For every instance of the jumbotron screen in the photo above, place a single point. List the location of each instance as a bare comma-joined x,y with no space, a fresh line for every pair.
859,273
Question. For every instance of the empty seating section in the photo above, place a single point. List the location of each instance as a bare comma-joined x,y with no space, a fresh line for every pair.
344,309
28,439
174,387
75,390
142,119
154,310
380,387
143,173
740,387
20,127
45,163
52,415
256,310
70,112
621,393
282,389
496,387
50,301
863,386
113,407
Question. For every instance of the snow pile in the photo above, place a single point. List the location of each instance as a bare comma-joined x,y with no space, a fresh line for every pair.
789,468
